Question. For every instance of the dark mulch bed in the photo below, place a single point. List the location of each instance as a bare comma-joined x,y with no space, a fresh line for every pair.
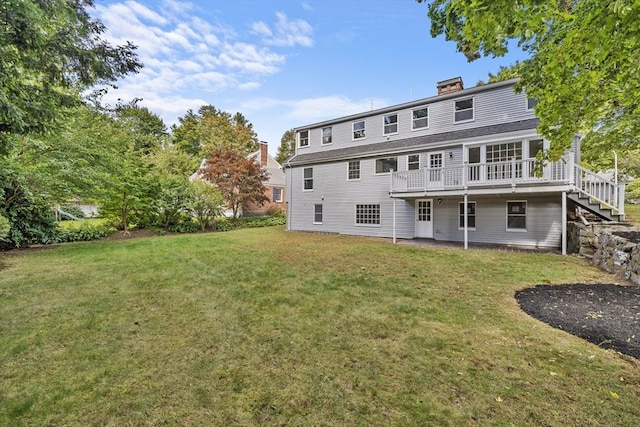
605,314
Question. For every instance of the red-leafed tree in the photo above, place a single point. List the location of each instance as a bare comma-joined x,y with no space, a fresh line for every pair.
240,180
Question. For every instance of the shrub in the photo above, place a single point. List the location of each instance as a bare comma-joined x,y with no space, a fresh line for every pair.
85,232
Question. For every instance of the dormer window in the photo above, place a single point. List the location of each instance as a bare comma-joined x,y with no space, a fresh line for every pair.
303,138
463,110
531,103
390,124
358,130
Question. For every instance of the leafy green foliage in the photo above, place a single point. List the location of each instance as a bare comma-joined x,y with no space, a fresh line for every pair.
258,221
582,67
197,134
287,146
205,203
85,232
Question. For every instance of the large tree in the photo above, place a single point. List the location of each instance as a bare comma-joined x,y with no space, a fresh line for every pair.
287,146
239,180
582,65
197,134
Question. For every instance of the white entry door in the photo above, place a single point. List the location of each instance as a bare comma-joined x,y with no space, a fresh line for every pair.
424,218
435,171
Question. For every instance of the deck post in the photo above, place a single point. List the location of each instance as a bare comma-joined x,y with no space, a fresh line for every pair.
394,220
466,222
564,223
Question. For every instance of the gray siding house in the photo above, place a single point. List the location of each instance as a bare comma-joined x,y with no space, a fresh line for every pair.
459,166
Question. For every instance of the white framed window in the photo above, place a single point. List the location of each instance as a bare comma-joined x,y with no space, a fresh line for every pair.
368,214
327,137
413,162
471,215
463,110
385,165
500,156
516,215
531,103
307,181
420,118
390,124
358,129
303,138
353,172
317,214
277,195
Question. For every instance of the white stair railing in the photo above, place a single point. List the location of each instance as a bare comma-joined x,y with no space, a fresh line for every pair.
599,189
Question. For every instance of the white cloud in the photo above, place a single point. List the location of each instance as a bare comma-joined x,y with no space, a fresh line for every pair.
146,13
285,32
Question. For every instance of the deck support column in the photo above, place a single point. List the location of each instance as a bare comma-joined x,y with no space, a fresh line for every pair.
564,223
466,222
394,220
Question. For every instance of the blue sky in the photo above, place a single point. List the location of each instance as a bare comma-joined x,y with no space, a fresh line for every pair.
283,63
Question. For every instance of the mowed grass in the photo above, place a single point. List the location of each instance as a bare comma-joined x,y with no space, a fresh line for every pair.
267,327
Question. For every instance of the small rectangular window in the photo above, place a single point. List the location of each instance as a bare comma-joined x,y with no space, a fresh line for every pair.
420,118
317,214
386,165
517,216
303,138
413,162
531,103
464,110
354,170
358,129
308,179
277,195
390,124
471,215
326,135
368,214
535,147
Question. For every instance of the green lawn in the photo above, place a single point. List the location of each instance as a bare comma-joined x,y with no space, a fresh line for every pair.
267,327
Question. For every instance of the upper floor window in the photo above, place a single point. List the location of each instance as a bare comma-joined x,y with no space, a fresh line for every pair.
531,102
358,130
354,170
385,165
463,110
307,182
420,118
303,136
390,124
326,135
413,162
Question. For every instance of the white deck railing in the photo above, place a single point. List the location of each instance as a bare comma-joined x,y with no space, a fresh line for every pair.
512,173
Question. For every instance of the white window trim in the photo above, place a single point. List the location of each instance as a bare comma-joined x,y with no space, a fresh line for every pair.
314,214
308,139
359,171
279,199
428,121
307,190
364,129
475,215
419,161
322,135
526,104
506,217
397,123
473,110
355,215
376,173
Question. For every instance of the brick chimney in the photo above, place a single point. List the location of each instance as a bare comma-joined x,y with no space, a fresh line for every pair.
264,153
450,85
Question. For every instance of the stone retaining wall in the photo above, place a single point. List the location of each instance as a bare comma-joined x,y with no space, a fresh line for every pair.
613,247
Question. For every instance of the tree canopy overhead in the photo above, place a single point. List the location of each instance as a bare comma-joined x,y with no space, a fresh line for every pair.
52,51
583,63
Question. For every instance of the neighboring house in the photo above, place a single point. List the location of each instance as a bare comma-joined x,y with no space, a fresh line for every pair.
459,166
275,185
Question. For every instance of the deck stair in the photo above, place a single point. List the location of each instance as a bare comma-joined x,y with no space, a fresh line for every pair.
598,195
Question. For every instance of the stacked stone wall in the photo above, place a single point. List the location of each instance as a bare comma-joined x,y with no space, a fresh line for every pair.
613,247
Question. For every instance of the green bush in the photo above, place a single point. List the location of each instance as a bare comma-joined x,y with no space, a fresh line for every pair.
85,232
184,224
258,221
222,224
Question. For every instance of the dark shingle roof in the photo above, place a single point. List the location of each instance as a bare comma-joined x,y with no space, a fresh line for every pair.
409,143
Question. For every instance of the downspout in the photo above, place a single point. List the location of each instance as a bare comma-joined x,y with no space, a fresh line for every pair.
466,222
564,223
287,166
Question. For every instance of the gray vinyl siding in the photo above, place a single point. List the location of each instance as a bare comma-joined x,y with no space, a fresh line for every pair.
491,107
339,197
544,221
